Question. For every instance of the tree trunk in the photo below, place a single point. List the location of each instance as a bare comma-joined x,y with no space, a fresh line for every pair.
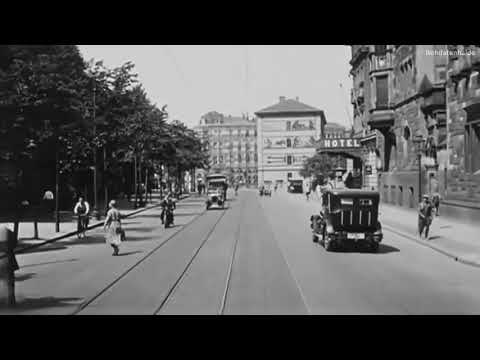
136,181
146,184
105,185
57,192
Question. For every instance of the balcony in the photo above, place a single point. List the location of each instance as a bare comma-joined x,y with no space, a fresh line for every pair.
381,63
381,117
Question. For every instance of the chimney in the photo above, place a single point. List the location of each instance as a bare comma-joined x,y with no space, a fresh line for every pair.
282,98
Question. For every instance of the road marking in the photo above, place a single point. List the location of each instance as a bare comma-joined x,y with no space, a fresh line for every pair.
289,268
230,267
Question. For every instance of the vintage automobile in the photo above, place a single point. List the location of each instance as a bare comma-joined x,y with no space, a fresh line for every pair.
348,217
267,190
295,186
216,189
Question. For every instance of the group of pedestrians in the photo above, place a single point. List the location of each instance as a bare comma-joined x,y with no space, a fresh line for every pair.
112,226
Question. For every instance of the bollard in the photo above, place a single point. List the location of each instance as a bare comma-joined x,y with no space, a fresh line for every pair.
8,265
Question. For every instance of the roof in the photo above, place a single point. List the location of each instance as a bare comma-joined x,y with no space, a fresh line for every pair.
285,106
335,125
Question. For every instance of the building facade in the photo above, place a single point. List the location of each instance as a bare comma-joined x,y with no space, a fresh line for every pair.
232,145
404,102
462,154
287,135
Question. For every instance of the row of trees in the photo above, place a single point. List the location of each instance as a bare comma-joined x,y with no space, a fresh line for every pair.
62,118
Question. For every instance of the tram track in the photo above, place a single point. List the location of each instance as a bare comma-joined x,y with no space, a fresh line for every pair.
184,272
101,292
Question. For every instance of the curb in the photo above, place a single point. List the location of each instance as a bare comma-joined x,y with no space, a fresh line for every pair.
433,247
90,227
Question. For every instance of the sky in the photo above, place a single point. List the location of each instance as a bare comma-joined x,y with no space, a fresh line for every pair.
236,79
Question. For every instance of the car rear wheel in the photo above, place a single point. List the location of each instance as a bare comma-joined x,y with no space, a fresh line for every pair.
374,247
315,238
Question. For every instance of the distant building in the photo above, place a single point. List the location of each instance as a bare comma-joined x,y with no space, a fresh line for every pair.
232,145
287,135
334,130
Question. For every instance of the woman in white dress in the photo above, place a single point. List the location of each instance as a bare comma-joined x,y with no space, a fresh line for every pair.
113,227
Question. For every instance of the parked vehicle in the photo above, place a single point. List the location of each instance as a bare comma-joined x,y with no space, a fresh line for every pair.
295,186
216,191
348,217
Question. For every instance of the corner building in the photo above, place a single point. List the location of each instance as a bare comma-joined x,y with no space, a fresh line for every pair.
287,135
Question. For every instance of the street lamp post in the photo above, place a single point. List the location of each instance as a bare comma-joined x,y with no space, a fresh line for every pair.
419,141
95,214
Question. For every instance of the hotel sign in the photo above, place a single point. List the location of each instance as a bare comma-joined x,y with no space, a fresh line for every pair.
340,143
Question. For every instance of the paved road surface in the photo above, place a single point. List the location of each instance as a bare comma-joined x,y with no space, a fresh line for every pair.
256,257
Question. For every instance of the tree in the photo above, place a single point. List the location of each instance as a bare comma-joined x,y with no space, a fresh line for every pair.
319,166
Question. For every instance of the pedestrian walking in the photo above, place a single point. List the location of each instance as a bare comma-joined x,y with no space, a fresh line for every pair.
48,201
318,191
113,227
308,190
275,187
82,210
236,189
424,216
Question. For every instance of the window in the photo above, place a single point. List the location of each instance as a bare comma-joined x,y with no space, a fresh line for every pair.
289,126
289,142
346,202
380,50
289,159
366,202
289,175
382,91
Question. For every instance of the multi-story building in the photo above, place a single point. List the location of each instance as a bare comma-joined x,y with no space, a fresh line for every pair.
462,154
232,145
404,102
334,130
287,135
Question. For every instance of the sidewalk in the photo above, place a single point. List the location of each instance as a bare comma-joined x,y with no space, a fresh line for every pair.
451,236
68,223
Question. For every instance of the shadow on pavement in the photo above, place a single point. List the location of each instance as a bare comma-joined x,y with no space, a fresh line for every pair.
434,237
43,302
141,229
43,248
382,249
129,253
188,214
48,263
24,277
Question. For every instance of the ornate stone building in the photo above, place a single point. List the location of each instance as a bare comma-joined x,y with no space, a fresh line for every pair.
405,100
462,153
232,144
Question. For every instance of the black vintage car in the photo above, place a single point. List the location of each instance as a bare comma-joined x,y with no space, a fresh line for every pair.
348,217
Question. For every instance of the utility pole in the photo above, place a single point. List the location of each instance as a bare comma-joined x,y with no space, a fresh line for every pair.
96,214
57,192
